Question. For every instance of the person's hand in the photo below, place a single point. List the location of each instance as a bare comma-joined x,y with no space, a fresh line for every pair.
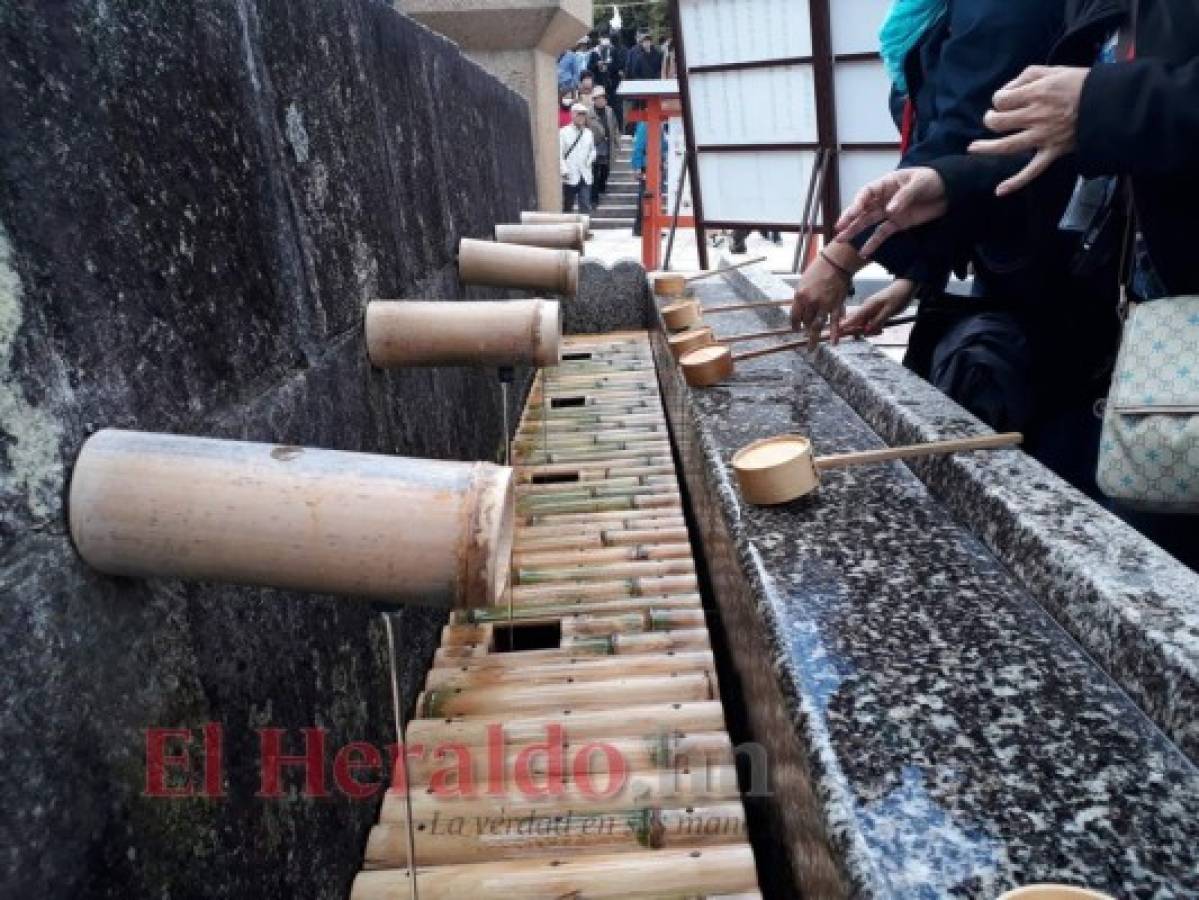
1040,108
871,316
820,295
898,201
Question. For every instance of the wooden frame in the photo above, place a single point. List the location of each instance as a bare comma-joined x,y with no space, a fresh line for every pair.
821,61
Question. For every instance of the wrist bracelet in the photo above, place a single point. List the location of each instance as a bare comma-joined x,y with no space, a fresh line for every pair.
836,265
840,268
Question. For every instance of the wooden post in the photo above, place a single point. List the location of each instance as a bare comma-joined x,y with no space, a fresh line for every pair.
160,505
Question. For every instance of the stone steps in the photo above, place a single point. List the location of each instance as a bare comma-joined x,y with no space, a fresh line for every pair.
611,224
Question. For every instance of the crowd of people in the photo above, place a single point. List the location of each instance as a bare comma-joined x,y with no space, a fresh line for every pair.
591,119
1050,153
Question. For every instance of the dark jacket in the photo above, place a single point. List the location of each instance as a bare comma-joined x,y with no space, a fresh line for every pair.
644,65
952,74
1138,118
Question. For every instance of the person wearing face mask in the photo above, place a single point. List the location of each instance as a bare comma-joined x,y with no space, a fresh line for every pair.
602,64
566,99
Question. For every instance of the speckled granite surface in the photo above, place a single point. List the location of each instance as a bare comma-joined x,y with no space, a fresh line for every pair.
1132,606
948,738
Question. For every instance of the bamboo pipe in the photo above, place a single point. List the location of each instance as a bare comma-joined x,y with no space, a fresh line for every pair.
570,484
473,655
566,403
617,417
709,366
611,645
551,500
707,873
669,752
641,643
647,517
513,266
528,217
597,669
647,594
617,436
580,625
463,333
609,533
671,284
610,572
530,559
712,785
647,451
636,622
591,474
573,485
782,469
587,724
692,686
553,612
541,835
161,505
557,235
599,540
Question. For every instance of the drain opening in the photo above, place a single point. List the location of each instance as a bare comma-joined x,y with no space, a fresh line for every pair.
565,402
532,636
556,478
575,357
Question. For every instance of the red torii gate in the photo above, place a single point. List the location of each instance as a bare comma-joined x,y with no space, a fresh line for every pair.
661,101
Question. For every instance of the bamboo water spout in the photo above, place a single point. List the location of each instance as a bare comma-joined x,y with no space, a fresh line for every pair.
514,266
463,333
781,469
540,218
561,235
390,528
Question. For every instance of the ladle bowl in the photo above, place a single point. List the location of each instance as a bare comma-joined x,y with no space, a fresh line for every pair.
683,314
692,339
781,469
707,365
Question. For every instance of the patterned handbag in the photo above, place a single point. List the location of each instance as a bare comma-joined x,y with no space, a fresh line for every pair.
1149,452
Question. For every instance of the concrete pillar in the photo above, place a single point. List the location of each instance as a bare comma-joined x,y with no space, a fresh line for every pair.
517,41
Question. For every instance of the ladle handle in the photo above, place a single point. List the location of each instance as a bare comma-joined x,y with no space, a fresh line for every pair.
740,265
737,307
777,348
756,336
934,448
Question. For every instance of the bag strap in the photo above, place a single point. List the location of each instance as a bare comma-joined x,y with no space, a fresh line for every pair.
1126,255
575,144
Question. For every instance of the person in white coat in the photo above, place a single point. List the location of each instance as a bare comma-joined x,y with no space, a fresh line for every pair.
576,154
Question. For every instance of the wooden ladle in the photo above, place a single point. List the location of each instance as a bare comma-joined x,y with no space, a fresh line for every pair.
781,469
671,284
715,363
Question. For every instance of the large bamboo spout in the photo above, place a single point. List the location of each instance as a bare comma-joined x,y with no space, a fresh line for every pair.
390,528
515,266
486,333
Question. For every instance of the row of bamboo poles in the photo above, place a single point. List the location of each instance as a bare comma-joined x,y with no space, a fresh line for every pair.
602,644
